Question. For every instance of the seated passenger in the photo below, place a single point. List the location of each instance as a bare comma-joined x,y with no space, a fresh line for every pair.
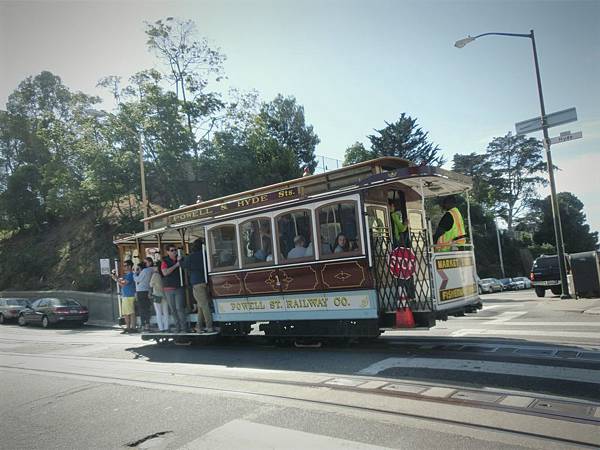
265,249
325,247
341,244
310,251
299,251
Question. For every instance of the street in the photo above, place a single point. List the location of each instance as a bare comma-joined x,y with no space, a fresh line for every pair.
522,373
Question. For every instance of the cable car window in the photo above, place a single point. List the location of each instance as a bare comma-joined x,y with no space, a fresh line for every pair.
223,247
257,242
338,227
294,236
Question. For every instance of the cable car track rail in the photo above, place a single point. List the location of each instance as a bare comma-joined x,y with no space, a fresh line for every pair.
591,420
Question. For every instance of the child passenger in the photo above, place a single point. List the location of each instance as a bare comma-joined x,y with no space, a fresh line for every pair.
161,306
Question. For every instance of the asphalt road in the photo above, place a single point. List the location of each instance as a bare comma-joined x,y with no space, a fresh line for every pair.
522,373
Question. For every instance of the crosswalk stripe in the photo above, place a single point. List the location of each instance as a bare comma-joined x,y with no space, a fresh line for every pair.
505,317
248,435
543,333
503,368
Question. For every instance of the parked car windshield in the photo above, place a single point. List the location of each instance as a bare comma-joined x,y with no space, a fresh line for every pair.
489,280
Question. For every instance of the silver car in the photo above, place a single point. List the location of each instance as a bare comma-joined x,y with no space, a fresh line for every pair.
10,308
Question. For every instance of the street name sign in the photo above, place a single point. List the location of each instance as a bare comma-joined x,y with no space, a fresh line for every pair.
552,120
566,137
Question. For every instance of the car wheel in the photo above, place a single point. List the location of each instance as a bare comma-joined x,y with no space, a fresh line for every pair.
21,320
556,290
540,291
2,318
45,322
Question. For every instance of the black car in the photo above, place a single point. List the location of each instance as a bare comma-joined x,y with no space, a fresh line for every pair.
49,311
545,274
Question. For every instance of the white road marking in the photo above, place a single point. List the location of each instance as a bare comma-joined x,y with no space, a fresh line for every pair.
543,333
552,324
502,305
502,368
505,317
257,436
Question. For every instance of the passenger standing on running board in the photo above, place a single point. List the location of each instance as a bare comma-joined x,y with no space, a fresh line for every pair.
173,288
194,264
142,290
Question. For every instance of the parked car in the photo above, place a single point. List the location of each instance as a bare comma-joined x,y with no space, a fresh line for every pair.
516,284
526,282
545,274
505,282
488,285
10,308
49,311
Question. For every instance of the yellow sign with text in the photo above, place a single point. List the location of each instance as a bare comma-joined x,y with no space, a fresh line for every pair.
317,303
454,293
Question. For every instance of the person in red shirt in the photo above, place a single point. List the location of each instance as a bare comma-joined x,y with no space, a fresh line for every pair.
173,288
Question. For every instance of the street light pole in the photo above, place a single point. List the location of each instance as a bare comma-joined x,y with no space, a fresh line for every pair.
555,211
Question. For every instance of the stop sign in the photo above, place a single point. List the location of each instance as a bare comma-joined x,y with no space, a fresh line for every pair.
402,263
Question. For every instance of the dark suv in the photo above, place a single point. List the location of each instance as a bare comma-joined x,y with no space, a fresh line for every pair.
545,275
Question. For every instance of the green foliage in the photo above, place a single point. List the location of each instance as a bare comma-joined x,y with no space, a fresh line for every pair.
516,173
356,153
576,233
403,139
478,167
283,121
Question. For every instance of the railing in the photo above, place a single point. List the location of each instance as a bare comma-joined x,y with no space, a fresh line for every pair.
402,272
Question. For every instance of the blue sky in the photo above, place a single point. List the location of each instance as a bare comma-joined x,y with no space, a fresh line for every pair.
352,64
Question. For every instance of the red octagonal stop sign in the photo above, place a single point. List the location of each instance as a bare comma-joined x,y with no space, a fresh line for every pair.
402,263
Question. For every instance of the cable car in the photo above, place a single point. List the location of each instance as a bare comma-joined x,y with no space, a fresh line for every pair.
316,257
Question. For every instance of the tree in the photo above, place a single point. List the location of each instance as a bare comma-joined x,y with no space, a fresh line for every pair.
478,167
43,128
516,172
356,153
21,201
576,233
405,139
283,120
191,62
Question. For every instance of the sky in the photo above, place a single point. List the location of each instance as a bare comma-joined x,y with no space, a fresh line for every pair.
352,64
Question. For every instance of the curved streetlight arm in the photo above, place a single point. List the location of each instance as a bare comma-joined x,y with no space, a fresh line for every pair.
462,42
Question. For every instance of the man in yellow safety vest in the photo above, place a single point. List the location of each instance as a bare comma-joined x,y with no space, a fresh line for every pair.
450,233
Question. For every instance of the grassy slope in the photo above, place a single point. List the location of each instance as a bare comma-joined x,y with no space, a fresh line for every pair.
60,256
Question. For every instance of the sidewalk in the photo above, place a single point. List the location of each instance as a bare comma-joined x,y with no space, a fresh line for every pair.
582,305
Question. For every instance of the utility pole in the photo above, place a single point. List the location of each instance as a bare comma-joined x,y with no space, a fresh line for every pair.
500,250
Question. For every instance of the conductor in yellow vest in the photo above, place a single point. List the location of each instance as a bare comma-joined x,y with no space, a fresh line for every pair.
450,234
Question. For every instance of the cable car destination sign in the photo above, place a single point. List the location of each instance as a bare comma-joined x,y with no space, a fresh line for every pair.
236,205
